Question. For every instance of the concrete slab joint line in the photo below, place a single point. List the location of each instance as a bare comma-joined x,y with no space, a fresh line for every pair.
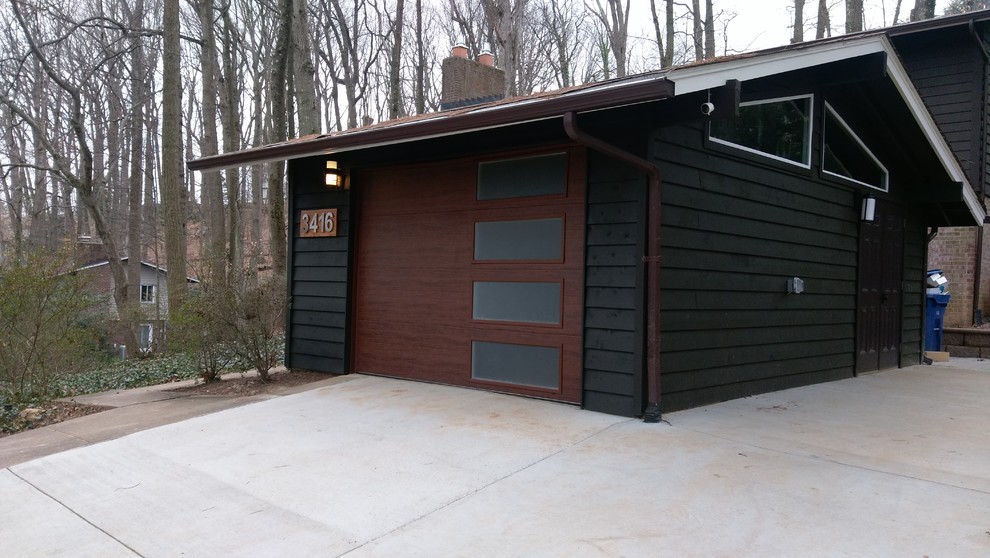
73,512
486,486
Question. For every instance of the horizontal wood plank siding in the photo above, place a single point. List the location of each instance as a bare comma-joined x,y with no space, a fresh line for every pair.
614,301
733,233
913,289
317,326
949,72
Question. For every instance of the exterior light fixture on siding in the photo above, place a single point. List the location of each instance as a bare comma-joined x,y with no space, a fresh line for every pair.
868,211
334,176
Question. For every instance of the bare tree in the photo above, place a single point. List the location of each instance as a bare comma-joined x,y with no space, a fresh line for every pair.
614,17
798,36
214,228
506,19
76,168
395,64
824,27
304,77
854,16
173,190
420,86
923,9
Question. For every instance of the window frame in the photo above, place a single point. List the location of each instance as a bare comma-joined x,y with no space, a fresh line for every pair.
152,298
829,109
809,132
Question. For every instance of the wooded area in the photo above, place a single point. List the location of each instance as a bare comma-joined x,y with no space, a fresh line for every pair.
101,101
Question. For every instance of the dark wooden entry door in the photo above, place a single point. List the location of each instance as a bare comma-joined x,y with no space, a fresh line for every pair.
881,261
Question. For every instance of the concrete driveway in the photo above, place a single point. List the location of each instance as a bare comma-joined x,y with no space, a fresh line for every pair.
891,464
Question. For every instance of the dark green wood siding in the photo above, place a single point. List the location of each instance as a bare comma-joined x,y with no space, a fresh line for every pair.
733,233
913,289
613,323
949,72
317,325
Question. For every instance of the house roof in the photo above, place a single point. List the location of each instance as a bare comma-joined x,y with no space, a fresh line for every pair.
102,262
641,88
614,93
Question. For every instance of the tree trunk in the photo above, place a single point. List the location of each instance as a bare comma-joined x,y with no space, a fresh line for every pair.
824,27
304,73
698,30
657,30
130,318
798,36
668,56
214,229
420,61
230,111
923,9
709,30
395,64
172,180
854,16
276,176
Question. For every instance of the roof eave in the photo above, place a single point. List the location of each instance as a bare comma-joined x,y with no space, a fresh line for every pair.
635,91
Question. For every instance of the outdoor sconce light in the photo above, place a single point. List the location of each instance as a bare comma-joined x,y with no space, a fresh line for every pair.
795,285
868,211
334,176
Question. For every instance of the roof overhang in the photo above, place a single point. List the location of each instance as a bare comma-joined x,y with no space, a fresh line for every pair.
618,93
704,76
634,90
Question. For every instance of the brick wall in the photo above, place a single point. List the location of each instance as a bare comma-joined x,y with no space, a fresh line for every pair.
953,251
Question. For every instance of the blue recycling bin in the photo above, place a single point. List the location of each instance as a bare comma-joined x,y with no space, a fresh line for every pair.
934,312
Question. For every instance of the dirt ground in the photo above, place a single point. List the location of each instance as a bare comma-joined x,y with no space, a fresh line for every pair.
253,385
59,411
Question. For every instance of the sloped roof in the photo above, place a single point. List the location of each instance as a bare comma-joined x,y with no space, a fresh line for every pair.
103,261
641,88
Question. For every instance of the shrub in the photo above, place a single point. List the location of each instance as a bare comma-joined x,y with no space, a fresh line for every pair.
44,330
198,329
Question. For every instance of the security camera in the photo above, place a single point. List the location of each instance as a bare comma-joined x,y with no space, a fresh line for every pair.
707,108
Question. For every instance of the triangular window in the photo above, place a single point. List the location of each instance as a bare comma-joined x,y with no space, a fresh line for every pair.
845,155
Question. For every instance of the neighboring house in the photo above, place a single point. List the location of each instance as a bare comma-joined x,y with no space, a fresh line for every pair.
647,243
153,299
947,59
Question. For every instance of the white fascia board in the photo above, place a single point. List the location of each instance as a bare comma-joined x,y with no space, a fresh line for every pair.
710,76
899,76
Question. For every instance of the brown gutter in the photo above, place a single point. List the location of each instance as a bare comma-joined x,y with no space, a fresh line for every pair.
602,96
652,258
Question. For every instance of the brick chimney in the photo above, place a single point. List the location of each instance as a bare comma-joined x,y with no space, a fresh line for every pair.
89,250
470,82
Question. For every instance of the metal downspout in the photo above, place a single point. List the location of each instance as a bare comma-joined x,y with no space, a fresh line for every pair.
978,265
652,258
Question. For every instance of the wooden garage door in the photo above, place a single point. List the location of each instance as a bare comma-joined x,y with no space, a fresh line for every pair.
471,273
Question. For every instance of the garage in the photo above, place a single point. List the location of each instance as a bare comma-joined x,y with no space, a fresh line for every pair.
470,272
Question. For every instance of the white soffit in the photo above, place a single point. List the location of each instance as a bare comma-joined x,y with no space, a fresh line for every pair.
709,76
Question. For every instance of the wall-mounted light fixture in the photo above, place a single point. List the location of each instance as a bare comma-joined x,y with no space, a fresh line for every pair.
868,211
334,176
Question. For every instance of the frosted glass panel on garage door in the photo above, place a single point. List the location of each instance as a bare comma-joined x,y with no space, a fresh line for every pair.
543,175
527,239
517,301
525,365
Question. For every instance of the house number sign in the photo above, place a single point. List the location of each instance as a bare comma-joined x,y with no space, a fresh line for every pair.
318,222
